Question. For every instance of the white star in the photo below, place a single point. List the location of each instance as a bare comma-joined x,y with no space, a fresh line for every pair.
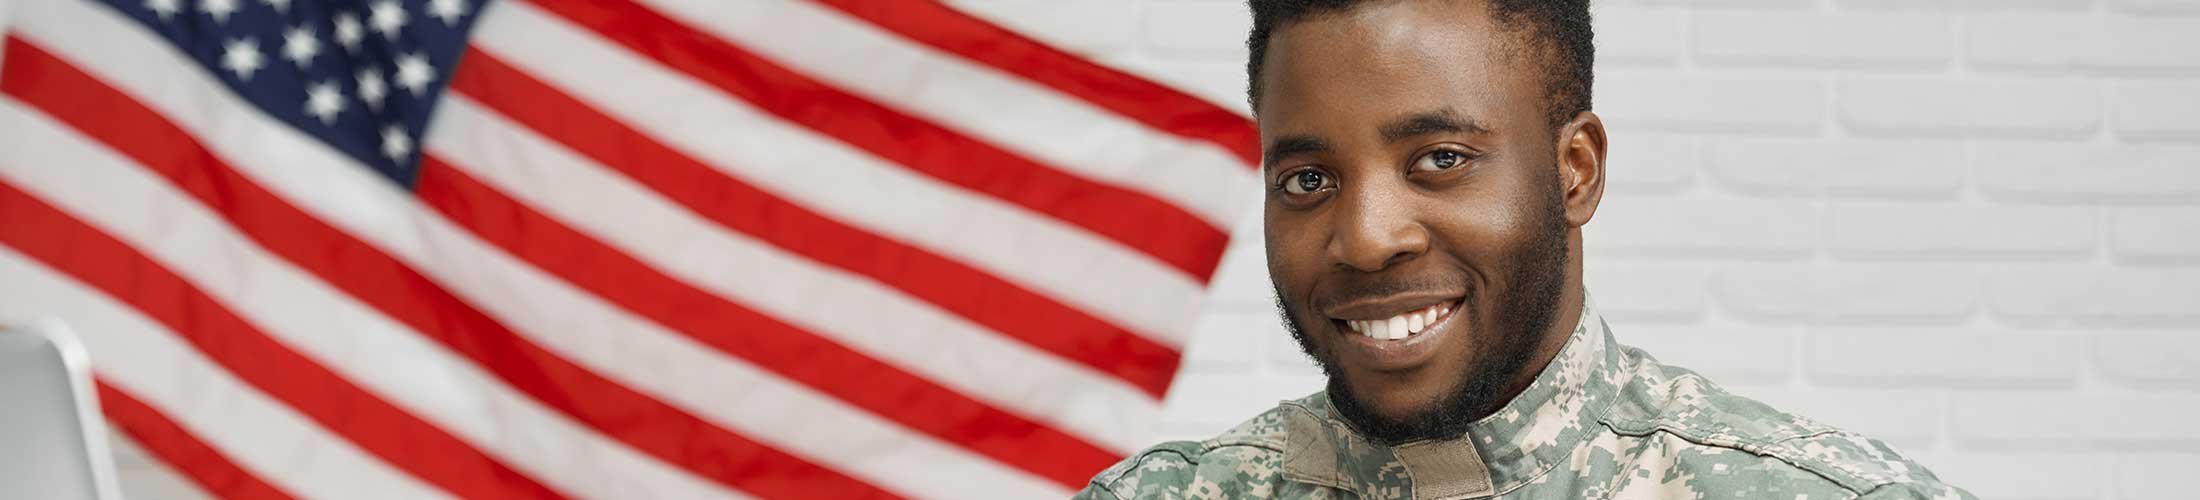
395,144
220,9
371,88
241,56
300,46
448,10
414,73
388,17
279,5
164,8
324,100
348,31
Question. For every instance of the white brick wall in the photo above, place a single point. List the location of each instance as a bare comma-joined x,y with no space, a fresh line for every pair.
1970,227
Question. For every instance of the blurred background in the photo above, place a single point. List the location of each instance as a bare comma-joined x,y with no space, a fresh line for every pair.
1968,227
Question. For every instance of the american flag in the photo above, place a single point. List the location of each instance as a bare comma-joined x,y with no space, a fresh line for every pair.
607,248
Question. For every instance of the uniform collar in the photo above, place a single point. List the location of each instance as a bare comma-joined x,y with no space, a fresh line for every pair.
1519,443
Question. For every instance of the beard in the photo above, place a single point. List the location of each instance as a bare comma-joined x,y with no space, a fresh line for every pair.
1524,317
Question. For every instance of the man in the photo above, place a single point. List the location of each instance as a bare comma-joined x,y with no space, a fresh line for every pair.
1430,164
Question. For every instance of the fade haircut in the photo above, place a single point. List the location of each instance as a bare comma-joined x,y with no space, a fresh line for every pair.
1555,31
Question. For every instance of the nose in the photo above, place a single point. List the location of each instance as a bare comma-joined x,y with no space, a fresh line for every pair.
1376,226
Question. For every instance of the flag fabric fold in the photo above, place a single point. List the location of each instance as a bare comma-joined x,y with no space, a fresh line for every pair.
607,248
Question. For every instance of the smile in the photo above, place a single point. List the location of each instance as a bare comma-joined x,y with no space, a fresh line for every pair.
1402,325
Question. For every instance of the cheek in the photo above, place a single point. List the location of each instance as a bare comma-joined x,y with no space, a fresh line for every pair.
1294,248
1492,230
1483,226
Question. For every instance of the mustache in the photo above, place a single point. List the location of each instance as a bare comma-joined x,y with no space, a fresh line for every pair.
1350,289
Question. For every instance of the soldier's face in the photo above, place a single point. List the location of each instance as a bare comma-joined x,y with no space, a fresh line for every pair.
1416,219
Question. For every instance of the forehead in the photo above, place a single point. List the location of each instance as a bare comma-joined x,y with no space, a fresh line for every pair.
1377,62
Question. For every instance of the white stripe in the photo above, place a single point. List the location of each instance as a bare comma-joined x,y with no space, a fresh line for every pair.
138,355
1029,119
1075,267
1064,26
558,317
851,309
374,351
148,476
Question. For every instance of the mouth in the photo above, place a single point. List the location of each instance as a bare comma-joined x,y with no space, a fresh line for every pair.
1396,335
1401,326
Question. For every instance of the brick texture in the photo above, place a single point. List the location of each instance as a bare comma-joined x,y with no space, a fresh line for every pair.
2060,41
1653,163
1684,101
2156,475
1849,292
1851,169
1914,105
2160,234
2019,475
1735,227
2151,109
1651,36
2149,360
1959,231
1962,357
1819,38
2107,174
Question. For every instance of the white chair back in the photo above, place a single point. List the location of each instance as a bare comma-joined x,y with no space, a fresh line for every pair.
53,441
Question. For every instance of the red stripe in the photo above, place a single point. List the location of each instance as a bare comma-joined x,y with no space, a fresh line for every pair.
68,245
1157,106
951,285
1166,232
402,293
182,451
890,392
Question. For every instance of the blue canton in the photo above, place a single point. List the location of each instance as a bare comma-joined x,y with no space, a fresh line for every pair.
362,76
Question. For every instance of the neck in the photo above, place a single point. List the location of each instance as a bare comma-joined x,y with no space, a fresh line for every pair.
1564,319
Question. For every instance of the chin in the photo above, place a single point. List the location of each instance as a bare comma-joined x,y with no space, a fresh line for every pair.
1404,405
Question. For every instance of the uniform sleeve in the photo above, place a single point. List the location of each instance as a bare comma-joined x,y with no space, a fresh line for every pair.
1158,472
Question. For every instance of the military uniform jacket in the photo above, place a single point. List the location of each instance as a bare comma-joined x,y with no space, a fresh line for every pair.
1602,420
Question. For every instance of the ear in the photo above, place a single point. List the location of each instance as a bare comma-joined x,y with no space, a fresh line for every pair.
1581,167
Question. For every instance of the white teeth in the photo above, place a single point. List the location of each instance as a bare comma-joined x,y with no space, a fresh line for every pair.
1400,326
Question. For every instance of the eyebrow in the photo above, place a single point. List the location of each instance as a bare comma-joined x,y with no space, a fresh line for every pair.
1444,120
1292,145
1432,122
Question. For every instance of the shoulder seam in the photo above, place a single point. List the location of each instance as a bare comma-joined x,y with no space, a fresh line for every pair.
1876,488
1649,424
1108,483
1260,443
1764,450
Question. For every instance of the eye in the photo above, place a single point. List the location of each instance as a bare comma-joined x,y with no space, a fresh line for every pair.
1440,160
1305,181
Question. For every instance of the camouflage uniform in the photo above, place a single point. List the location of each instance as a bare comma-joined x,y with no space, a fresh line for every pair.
1603,420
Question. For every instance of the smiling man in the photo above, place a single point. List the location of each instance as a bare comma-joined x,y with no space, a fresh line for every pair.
1430,166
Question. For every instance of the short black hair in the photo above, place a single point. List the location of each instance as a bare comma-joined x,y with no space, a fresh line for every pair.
1557,30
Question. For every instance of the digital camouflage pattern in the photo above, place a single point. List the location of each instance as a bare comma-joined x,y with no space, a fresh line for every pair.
1603,420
